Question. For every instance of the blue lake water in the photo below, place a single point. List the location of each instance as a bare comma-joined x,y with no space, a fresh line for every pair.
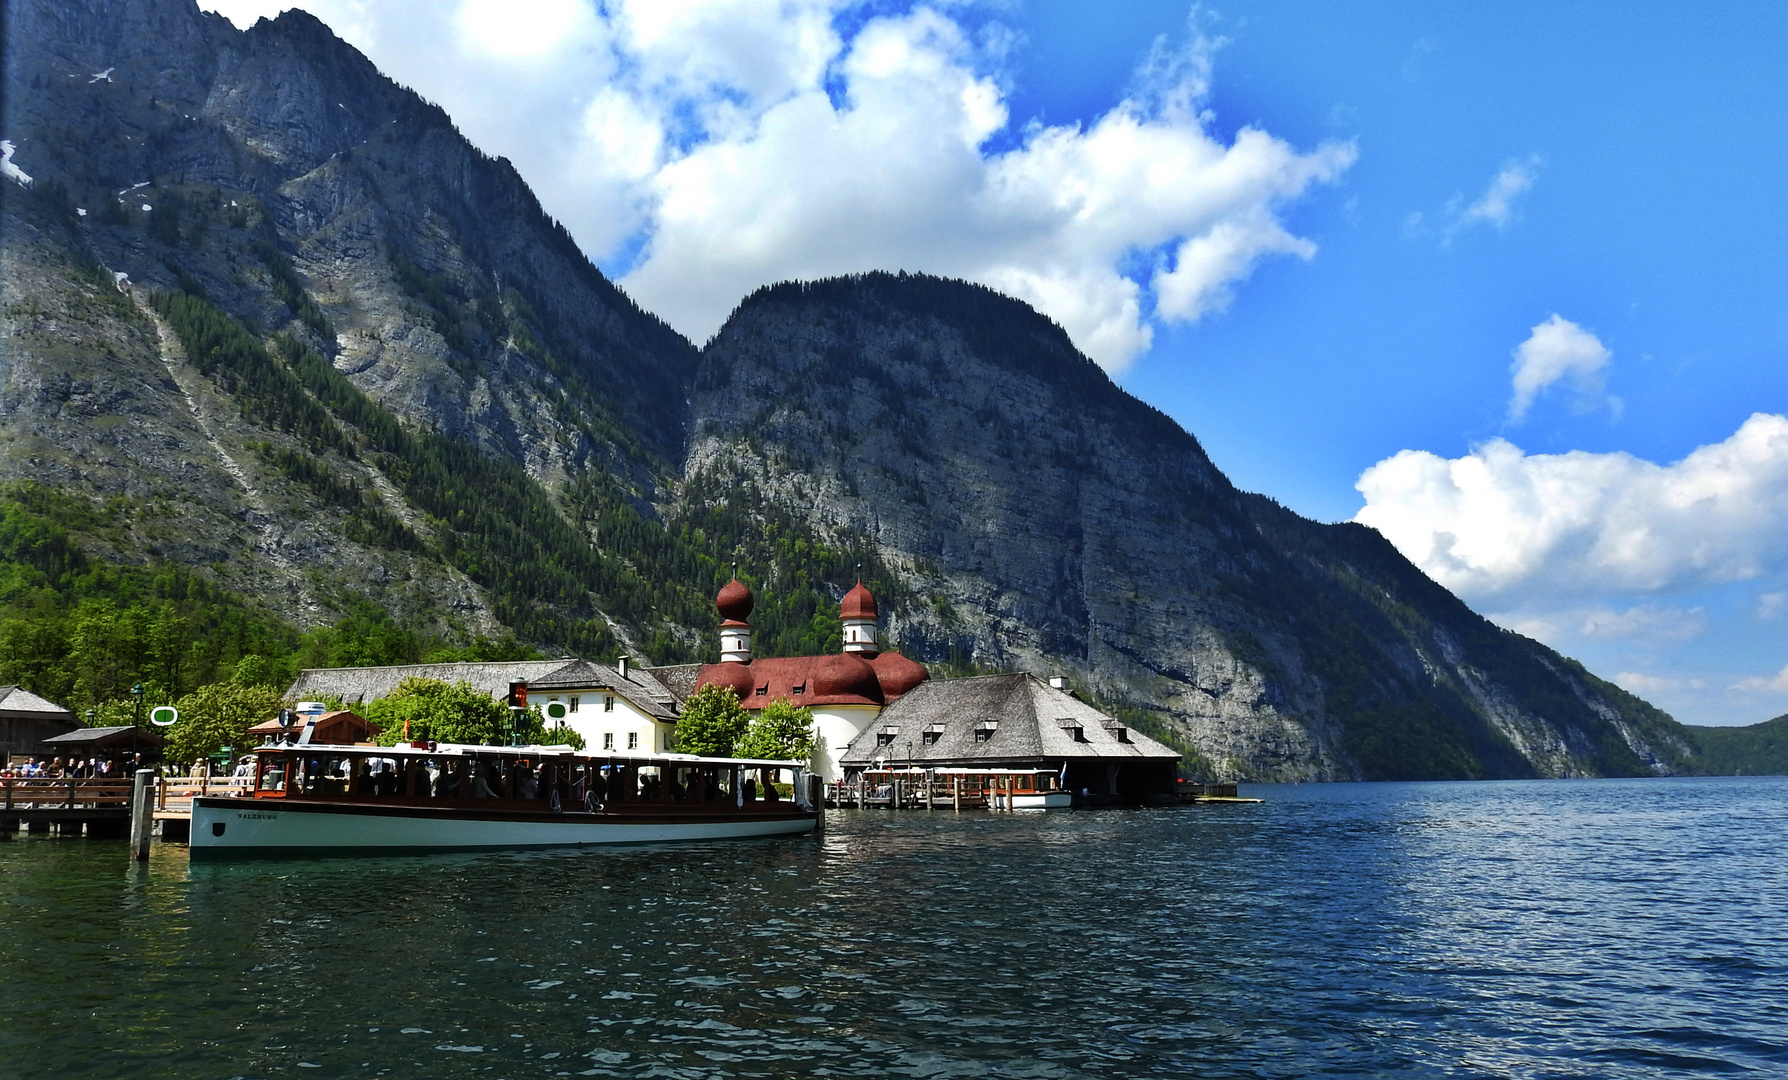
1550,929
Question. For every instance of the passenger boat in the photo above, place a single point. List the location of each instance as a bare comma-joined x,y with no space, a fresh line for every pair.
362,799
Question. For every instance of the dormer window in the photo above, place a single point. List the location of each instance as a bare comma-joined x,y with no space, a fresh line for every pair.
931,734
764,690
800,688
1118,731
984,731
1073,730
884,738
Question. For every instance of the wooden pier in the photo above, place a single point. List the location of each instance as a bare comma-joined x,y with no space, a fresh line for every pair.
101,808
71,807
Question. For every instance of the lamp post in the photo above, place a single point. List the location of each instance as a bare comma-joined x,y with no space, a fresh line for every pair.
137,693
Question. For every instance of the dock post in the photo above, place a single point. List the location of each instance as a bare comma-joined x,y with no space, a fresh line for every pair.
956,793
816,798
142,814
930,784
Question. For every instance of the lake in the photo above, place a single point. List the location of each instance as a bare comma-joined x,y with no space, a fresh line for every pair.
1611,928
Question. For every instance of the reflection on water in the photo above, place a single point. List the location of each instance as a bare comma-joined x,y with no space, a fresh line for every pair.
1593,929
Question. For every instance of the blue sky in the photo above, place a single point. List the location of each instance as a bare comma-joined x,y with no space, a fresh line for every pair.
1323,237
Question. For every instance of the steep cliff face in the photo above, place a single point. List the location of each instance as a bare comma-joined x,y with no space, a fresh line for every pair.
1047,519
299,338
277,174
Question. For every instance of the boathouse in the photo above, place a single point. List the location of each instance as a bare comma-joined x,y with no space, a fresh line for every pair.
26,720
613,708
108,743
1015,722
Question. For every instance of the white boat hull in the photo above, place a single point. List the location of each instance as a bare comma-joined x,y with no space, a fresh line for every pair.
1043,800
244,828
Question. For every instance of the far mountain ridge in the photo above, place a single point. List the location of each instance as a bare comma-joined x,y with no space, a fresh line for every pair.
356,364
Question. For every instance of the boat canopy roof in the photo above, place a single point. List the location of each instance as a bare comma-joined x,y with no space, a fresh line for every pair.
558,751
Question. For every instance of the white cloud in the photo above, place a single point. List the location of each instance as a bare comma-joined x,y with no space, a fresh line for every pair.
714,147
1496,207
1770,605
1499,523
1641,624
523,29
1638,682
1777,683
1557,350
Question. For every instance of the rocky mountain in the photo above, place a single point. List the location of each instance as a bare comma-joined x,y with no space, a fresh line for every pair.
272,328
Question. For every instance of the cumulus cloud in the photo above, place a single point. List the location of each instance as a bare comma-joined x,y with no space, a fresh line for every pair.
1502,524
1770,605
1640,624
1558,350
1496,207
704,149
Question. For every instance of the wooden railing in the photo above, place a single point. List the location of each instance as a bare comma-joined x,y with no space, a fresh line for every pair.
45,793
174,794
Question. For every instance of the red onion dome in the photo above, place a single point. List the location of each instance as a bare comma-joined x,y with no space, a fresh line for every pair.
897,674
857,604
843,675
735,601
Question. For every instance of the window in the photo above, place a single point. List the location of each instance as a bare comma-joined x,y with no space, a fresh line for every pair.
574,703
984,731
929,737
884,738
608,740
801,689
764,690
1073,731
608,703
633,740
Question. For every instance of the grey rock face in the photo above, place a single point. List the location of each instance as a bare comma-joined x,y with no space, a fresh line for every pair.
1034,514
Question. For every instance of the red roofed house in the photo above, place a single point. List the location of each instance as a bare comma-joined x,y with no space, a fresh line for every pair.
846,690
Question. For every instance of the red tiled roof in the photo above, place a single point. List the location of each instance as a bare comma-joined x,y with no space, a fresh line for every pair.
839,679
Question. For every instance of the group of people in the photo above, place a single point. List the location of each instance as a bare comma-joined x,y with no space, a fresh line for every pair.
71,769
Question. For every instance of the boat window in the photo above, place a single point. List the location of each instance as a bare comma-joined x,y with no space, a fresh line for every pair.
273,773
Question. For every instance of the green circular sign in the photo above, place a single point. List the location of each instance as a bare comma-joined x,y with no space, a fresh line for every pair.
163,715
556,710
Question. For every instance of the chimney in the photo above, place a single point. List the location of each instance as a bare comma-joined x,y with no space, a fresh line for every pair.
621,665
1059,682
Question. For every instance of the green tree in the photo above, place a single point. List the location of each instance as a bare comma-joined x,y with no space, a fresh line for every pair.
782,731
712,722
216,716
458,713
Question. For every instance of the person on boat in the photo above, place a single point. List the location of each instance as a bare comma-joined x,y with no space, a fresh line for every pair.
446,787
769,787
527,787
481,788
750,790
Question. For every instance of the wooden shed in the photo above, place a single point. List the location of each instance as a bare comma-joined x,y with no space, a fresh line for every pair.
343,727
26,720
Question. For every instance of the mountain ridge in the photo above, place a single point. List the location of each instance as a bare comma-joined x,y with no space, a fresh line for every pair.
405,296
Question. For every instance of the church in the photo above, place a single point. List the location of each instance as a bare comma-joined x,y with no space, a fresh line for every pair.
847,691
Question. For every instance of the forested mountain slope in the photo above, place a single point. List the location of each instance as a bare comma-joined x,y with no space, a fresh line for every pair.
355,398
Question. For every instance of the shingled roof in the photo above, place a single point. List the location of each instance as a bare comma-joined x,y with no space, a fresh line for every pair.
357,685
1029,723
16,701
